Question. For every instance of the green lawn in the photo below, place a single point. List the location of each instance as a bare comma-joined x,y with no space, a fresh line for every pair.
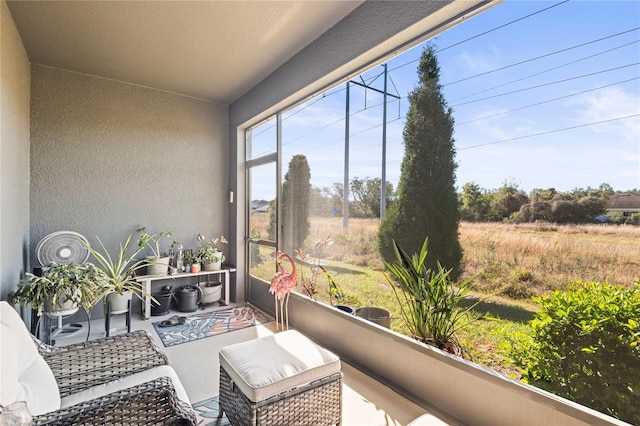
485,342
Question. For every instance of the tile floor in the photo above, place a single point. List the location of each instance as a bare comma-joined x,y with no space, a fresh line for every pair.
366,402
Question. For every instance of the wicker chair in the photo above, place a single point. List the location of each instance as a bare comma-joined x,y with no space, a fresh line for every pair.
93,380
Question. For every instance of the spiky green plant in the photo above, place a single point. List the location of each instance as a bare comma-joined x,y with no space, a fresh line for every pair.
121,270
429,299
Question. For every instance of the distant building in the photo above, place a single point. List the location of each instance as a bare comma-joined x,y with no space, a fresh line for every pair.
626,203
260,206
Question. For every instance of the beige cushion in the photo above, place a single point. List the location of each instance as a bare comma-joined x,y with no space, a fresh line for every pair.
25,374
127,382
270,365
427,420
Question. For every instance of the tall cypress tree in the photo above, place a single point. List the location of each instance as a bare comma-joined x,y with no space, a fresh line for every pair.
426,203
296,192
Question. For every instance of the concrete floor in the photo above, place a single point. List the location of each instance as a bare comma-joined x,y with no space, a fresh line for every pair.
366,402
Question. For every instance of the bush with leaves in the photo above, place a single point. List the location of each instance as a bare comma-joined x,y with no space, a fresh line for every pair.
586,347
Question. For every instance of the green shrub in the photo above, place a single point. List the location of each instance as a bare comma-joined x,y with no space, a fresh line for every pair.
586,347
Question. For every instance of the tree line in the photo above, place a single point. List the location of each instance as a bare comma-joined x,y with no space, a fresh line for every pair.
509,203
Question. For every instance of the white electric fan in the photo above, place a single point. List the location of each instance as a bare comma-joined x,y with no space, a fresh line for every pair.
63,247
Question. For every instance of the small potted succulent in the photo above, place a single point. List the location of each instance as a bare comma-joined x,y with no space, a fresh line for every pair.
192,261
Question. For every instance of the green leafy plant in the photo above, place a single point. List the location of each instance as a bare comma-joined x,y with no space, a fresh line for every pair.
153,241
210,253
121,270
82,285
429,299
586,347
191,257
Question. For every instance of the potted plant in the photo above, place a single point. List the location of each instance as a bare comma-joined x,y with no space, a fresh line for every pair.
62,288
192,261
429,300
120,272
158,264
211,256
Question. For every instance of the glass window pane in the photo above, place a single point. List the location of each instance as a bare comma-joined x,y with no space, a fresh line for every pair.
262,192
261,140
261,261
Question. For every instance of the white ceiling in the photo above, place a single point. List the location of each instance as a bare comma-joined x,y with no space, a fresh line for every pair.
213,50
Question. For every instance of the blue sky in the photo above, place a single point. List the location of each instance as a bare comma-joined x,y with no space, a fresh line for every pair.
575,137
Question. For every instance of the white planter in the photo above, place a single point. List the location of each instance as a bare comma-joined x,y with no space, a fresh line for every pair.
158,266
119,302
211,294
213,266
61,309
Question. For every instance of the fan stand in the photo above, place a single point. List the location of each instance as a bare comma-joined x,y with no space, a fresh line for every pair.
63,247
63,331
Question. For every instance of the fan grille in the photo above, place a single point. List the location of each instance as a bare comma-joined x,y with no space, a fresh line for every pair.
62,247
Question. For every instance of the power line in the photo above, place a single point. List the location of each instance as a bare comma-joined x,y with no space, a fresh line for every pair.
400,66
334,122
318,99
547,101
548,132
546,84
486,32
547,70
438,51
540,57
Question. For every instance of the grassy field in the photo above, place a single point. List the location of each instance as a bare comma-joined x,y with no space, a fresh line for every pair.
533,259
510,262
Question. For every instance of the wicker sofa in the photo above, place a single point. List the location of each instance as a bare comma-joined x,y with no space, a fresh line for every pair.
122,379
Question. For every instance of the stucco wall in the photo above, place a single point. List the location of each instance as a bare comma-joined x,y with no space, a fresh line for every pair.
14,155
108,157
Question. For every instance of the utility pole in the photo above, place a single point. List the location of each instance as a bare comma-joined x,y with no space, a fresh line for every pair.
383,186
345,188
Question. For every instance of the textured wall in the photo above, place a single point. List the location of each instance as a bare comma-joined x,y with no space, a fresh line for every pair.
107,157
14,155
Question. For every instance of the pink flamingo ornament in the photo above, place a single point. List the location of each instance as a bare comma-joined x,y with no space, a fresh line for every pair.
282,283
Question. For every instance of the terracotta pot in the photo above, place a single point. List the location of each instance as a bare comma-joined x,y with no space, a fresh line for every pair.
195,267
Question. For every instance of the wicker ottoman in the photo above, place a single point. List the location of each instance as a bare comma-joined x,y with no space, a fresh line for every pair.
283,379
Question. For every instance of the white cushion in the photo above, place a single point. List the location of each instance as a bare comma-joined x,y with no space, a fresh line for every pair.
270,365
25,374
127,382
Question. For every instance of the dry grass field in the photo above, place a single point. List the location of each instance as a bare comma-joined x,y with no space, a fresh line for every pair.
518,261
533,259
511,262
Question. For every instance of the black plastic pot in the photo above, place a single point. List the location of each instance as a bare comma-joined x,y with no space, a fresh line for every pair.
164,300
188,298
347,309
